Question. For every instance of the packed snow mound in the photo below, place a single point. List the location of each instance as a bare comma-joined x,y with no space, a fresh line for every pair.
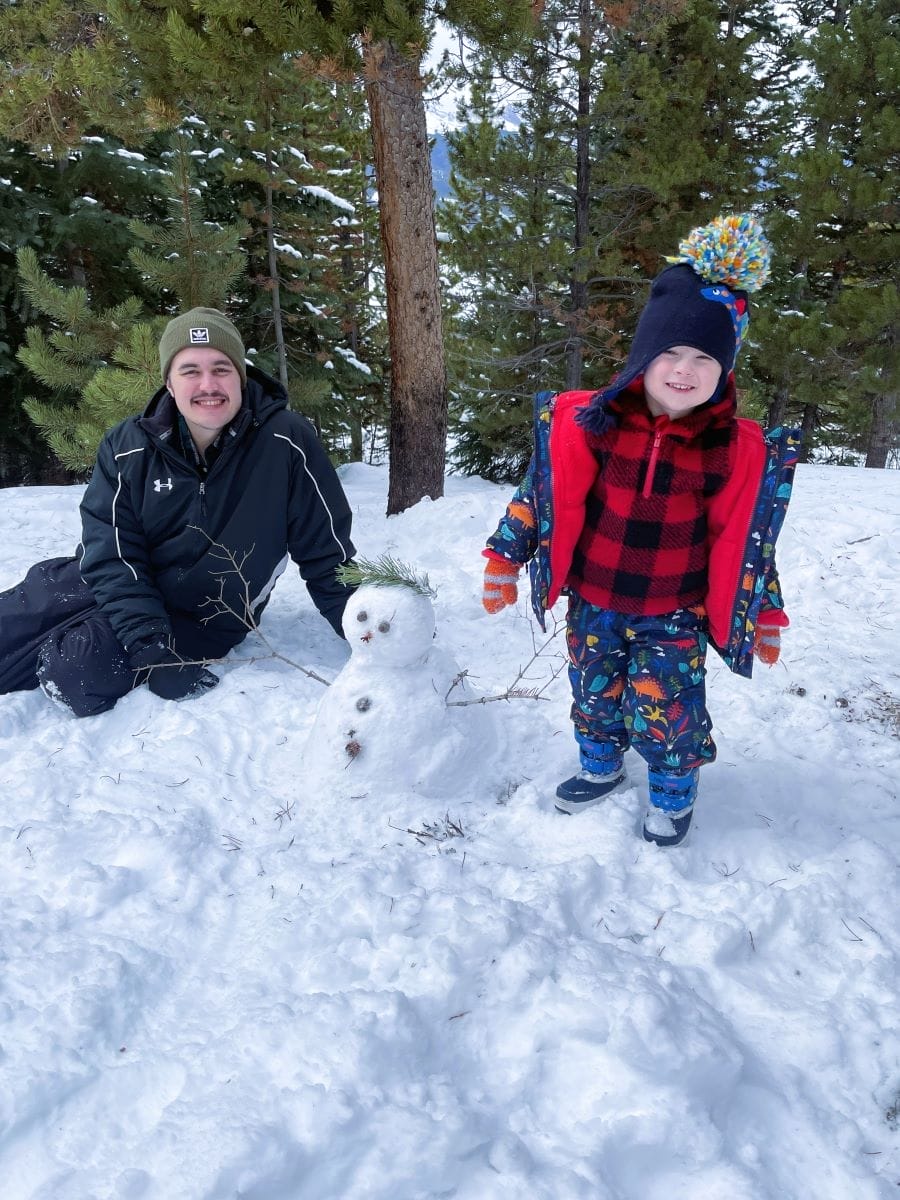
386,715
216,984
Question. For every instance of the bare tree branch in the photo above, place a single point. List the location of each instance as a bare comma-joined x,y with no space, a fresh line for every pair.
220,607
514,691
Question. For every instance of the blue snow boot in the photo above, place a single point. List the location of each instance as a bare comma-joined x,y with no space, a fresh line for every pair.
602,771
667,817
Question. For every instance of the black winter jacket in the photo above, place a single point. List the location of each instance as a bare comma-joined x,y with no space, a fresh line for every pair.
167,552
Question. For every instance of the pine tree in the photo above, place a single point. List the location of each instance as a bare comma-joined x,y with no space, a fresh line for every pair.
275,129
68,359
305,305
23,455
649,120
828,354
680,138
102,365
362,313
167,52
76,210
186,257
304,192
341,294
508,252
64,67
222,46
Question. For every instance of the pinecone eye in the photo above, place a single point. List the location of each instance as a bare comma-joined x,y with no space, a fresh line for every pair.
362,616
384,626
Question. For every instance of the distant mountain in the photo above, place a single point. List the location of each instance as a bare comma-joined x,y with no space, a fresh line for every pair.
440,166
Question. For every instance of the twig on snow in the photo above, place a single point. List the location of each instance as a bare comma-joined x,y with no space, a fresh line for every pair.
514,691
852,932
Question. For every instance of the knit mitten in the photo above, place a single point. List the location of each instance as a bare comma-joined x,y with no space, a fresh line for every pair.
767,644
500,584
165,678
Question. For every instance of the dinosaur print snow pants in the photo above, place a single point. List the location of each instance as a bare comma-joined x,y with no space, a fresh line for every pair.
640,682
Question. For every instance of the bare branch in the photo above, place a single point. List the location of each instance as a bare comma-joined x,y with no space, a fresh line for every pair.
514,691
220,606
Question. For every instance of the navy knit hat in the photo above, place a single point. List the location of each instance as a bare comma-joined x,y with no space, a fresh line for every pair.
701,301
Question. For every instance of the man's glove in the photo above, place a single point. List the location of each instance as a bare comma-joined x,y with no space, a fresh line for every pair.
165,677
500,584
767,644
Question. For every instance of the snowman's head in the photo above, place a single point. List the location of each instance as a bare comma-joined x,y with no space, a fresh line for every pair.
389,626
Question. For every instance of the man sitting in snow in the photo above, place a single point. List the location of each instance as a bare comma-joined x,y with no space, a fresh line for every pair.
187,522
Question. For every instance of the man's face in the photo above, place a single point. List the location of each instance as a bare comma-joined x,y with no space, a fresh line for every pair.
207,390
679,380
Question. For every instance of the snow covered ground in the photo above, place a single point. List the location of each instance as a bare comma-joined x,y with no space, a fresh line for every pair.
216,982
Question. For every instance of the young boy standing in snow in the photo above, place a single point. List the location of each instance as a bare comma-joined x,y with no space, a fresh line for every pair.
656,510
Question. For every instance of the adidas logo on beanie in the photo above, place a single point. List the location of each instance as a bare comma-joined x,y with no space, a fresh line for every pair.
202,327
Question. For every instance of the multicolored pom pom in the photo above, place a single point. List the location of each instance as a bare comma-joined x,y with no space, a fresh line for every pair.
732,250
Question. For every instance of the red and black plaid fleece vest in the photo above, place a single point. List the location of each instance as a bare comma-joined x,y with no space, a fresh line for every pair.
643,548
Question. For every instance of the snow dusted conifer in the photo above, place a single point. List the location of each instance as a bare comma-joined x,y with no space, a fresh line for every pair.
102,365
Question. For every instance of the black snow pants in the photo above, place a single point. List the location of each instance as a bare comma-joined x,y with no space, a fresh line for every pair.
53,635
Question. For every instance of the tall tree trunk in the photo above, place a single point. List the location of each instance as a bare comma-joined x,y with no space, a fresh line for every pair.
275,289
777,412
352,325
578,286
808,424
418,397
351,322
272,255
883,430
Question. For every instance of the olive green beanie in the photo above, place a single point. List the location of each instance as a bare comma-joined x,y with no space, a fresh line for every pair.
201,327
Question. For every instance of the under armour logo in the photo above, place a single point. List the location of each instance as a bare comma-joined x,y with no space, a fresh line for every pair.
199,337
159,486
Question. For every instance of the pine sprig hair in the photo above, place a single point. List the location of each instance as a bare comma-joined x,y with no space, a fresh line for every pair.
732,250
384,571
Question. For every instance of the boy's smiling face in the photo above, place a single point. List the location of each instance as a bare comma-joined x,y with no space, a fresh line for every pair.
680,380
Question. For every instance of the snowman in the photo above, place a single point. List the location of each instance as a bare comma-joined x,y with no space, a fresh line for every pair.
385,724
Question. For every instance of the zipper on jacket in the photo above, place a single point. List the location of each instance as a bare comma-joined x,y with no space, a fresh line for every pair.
551,405
651,465
203,497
